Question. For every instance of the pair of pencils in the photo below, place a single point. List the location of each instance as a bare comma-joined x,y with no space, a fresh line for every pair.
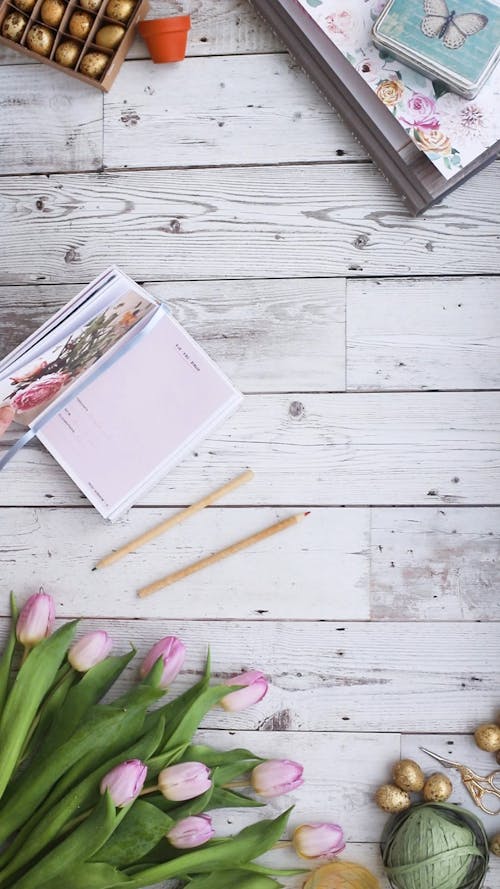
179,517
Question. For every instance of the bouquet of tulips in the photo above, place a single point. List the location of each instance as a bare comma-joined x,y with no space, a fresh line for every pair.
101,795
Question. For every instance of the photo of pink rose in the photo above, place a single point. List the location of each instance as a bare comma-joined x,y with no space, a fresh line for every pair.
40,392
420,112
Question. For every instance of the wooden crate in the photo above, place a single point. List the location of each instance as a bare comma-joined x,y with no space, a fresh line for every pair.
116,57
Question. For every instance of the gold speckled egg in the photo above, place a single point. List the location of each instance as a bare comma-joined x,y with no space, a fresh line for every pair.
90,5
437,788
488,737
51,12
408,775
110,36
40,40
25,5
392,799
13,26
121,10
80,24
67,53
495,844
93,64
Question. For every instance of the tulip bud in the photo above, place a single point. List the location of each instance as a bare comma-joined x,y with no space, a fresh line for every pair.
191,832
276,776
36,619
125,782
318,840
172,652
90,650
184,781
256,686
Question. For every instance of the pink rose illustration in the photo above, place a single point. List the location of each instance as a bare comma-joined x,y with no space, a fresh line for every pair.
39,392
421,113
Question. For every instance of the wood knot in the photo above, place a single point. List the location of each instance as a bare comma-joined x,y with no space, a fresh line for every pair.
278,722
72,255
175,226
296,409
360,242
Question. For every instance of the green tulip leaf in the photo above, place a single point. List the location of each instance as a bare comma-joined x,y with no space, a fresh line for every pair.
92,686
41,830
212,758
6,659
232,879
88,876
248,844
222,798
140,831
51,708
81,844
33,681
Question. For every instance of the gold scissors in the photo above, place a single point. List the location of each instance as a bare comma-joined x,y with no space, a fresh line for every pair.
478,786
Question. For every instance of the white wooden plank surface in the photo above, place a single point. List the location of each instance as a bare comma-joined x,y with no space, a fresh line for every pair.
317,571
335,677
225,110
435,564
269,336
285,221
48,122
218,27
439,333
338,449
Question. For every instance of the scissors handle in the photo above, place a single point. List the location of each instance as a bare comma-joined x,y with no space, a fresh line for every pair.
481,787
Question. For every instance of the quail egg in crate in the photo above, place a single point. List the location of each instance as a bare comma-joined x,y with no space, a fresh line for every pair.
51,12
25,5
80,24
40,40
67,53
110,36
13,26
93,64
121,10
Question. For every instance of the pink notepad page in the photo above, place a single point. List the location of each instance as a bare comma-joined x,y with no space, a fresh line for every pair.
139,417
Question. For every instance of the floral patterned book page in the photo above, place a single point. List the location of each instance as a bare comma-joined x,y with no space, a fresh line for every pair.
450,130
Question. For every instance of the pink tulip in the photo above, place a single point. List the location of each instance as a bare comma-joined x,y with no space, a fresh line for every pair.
172,652
125,781
318,840
191,832
36,619
90,650
184,781
276,776
256,686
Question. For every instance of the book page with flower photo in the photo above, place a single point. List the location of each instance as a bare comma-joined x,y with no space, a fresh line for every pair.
450,130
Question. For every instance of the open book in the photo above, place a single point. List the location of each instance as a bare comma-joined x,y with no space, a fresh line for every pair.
115,389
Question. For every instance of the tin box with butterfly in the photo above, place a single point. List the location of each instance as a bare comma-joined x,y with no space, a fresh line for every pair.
454,41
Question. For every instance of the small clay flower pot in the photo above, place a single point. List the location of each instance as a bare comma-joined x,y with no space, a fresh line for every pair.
166,38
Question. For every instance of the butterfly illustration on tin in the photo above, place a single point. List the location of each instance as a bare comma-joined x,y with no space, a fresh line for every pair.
453,29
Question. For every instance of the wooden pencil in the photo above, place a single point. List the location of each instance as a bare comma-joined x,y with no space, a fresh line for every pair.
221,554
174,520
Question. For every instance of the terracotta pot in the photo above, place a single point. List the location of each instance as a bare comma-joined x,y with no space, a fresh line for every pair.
166,38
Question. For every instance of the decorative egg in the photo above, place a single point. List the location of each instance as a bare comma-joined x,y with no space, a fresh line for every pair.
408,775
437,788
13,26
488,737
110,36
93,64
121,10
67,53
40,40
80,24
392,799
52,11
25,5
90,5
495,844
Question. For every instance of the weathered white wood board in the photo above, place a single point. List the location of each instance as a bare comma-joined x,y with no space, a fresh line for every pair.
268,336
434,564
281,222
438,333
224,110
341,774
335,677
48,122
338,449
392,564
318,570
219,27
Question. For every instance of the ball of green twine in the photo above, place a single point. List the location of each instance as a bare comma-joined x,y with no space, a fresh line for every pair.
435,846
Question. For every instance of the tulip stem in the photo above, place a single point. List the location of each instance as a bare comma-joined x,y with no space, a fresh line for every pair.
235,785
282,844
147,790
27,649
